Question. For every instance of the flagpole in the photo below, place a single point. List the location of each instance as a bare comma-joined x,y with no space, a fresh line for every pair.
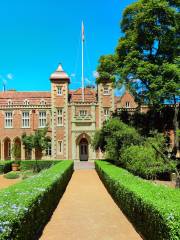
82,61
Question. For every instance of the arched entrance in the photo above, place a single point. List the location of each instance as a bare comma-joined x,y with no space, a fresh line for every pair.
7,149
83,150
16,149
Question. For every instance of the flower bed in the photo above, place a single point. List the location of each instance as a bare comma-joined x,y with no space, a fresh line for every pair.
5,166
27,206
154,210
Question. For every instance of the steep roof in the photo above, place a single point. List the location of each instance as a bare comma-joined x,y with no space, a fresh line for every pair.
89,95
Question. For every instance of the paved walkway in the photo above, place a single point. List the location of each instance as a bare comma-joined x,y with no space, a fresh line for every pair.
87,212
4,182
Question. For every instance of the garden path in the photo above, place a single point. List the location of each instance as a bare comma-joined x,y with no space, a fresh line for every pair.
87,212
4,182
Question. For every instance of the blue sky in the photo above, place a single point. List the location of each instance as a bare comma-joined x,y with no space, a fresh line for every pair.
36,35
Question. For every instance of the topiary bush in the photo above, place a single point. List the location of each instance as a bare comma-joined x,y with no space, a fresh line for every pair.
153,209
27,206
12,175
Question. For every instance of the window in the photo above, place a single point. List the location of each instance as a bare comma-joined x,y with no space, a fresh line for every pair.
42,119
26,102
106,113
83,112
48,149
8,119
127,104
60,117
106,91
60,147
59,91
42,102
9,150
10,102
25,120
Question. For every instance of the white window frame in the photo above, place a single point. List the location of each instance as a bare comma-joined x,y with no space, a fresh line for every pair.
26,102
42,102
83,113
106,90
59,90
42,119
60,114
106,113
10,102
49,149
25,119
8,119
60,147
127,104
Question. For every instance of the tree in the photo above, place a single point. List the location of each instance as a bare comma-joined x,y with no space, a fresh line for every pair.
113,136
38,140
146,58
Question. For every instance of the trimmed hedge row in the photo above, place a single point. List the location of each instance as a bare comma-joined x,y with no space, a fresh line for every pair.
5,166
27,206
153,209
41,164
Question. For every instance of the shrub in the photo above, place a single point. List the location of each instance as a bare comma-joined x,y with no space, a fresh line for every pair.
154,210
12,175
5,166
40,164
144,162
32,201
113,136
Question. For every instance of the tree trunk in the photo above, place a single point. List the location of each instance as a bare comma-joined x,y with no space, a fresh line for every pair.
176,128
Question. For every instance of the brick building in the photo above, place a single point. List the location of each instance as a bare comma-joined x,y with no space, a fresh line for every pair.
71,121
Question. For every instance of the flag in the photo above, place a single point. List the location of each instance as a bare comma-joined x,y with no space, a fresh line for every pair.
83,32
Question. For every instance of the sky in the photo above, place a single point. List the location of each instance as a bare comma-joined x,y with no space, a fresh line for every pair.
37,35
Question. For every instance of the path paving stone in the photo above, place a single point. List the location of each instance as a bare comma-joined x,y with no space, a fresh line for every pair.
4,182
87,212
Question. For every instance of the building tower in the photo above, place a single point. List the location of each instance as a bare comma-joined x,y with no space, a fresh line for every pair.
59,108
105,100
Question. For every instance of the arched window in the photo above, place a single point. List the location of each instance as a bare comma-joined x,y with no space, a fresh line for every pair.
42,102
10,102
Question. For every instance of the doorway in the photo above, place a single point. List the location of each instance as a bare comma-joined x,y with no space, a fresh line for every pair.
83,150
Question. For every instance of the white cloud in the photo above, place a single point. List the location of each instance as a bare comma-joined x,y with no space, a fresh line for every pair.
10,76
95,74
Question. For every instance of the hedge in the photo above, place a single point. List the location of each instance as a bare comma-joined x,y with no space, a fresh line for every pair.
26,207
5,166
154,210
42,164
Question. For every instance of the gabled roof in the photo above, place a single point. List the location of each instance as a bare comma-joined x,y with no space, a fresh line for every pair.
89,95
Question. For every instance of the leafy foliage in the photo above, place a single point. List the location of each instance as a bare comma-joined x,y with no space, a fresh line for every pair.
5,166
154,210
12,175
146,58
145,162
38,141
113,136
32,201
